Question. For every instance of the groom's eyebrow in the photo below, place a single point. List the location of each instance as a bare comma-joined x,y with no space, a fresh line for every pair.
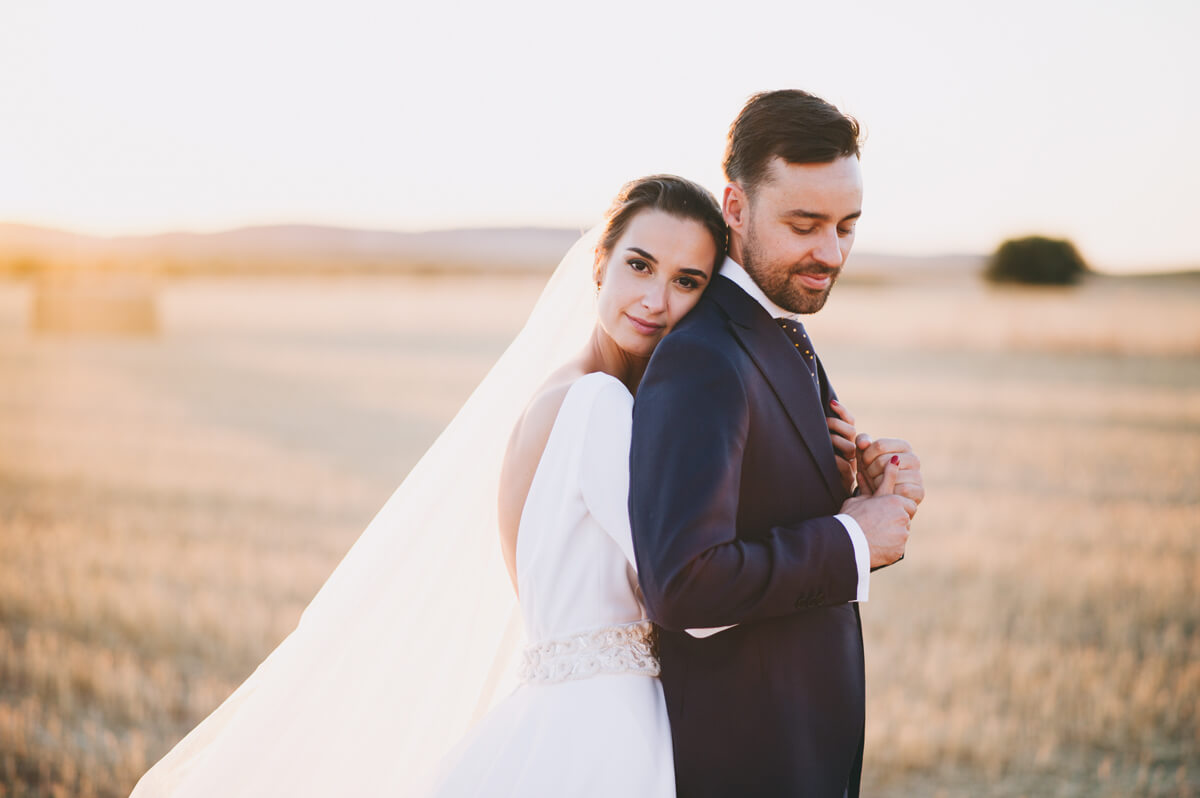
821,217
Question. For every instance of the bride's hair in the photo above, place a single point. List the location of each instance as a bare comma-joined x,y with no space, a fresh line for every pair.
677,196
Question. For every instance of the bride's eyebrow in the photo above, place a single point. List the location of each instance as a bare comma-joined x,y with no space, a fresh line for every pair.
643,253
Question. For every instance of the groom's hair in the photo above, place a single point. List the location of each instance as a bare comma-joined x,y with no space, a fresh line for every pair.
794,125
677,196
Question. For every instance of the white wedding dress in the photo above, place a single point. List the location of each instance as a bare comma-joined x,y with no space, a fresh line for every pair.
413,637
588,718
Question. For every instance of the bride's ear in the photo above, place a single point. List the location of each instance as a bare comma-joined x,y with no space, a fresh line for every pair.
599,262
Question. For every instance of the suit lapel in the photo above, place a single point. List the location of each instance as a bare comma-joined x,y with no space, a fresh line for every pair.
774,355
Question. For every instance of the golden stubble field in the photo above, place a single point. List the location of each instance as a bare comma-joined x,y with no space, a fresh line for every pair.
169,504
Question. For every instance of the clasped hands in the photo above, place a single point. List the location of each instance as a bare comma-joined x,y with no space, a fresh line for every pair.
890,484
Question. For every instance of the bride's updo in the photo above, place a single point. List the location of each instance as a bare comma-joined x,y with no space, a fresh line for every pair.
677,196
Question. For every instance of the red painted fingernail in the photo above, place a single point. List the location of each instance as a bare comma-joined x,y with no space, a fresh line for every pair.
835,402
895,459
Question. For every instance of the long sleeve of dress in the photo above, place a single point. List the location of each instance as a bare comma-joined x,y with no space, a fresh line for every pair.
604,465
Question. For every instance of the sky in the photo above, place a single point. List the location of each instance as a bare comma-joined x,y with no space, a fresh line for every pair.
1070,119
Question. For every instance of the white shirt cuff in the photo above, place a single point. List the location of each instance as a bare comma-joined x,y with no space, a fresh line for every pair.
710,631
862,555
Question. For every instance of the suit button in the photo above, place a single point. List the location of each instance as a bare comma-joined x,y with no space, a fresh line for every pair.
805,600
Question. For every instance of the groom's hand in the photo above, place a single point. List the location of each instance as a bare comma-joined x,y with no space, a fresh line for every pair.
884,517
874,456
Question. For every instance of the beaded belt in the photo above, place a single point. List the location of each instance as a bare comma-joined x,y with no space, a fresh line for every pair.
627,648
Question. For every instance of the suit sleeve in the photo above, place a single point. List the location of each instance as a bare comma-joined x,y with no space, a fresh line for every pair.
690,426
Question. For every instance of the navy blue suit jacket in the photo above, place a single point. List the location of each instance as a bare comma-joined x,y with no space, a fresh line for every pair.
733,489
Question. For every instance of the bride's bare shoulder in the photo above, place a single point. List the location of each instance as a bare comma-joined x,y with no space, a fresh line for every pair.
525,449
533,430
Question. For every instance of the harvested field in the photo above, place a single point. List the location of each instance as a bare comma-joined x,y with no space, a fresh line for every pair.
169,503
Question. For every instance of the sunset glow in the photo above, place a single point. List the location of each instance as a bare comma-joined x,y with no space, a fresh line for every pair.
1067,118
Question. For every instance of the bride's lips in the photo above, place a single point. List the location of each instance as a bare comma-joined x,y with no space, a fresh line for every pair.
643,326
815,282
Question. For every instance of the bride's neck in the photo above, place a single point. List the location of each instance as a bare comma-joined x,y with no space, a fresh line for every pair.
603,354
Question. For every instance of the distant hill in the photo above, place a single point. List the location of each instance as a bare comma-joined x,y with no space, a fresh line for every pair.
296,249
314,249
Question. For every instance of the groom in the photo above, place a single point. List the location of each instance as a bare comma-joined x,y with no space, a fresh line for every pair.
741,516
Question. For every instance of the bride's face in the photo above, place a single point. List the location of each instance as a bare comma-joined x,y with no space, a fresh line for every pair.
654,275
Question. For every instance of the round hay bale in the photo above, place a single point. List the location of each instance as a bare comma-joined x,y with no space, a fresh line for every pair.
95,303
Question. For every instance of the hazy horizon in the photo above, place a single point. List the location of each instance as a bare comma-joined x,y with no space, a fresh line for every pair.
859,254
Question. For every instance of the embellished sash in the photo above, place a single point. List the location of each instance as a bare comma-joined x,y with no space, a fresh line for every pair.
626,648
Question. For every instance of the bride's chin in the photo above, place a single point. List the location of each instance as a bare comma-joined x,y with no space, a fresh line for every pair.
639,347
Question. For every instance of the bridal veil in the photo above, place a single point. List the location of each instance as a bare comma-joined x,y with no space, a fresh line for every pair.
415,634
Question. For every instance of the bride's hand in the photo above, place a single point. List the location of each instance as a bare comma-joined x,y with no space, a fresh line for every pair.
842,434
873,457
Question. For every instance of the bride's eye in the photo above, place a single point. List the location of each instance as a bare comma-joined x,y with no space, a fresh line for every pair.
638,265
688,282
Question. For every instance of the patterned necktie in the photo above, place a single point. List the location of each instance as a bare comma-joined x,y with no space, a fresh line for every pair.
795,331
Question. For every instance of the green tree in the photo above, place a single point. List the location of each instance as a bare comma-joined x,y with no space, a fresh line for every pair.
1036,260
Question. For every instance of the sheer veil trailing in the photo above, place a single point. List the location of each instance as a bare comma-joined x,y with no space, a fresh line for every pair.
415,634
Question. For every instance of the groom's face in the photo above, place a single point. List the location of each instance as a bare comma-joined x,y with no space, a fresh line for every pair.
793,234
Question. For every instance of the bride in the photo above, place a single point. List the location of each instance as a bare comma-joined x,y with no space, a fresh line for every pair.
414,636
586,720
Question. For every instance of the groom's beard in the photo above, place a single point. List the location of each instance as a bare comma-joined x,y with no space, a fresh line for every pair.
776,279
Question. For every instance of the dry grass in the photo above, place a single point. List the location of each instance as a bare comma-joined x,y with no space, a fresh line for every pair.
169,504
